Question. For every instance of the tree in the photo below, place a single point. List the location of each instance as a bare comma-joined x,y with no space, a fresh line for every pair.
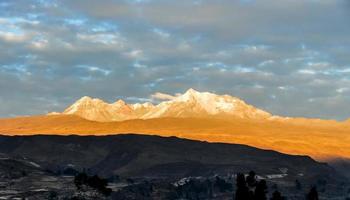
95,182
222,185
80,179
100,184
313,194
242,191
251,179
277,196
210,188
260,190
52,195
298,185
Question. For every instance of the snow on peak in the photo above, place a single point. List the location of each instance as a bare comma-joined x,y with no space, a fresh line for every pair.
201,104
190,104
119,103
85,98
85,104
141,105
88,100
147,104
210,102
190,94
191,91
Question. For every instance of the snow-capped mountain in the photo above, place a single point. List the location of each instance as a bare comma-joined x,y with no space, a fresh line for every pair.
98,110
190,104
204,104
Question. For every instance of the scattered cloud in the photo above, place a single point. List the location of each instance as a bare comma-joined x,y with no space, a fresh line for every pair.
266,52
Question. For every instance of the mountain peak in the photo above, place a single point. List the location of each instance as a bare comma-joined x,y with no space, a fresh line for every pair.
190,94
120,102
191,91
85,98
205,104
84,103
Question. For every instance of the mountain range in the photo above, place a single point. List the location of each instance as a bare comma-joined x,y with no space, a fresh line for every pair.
190,104
194,115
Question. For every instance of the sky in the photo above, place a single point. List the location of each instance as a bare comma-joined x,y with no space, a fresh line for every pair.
288,57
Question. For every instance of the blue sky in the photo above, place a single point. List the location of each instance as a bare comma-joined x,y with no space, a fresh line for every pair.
288,57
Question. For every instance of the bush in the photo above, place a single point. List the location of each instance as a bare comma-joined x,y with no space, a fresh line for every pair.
94,182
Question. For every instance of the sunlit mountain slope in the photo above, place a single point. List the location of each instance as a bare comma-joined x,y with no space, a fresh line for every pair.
321,140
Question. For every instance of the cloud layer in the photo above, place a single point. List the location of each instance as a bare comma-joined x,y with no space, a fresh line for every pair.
287,57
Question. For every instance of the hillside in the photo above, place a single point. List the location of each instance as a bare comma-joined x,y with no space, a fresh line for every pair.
151,167
154,156
321,141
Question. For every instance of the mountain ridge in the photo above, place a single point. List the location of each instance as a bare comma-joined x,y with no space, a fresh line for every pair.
190,104
316,140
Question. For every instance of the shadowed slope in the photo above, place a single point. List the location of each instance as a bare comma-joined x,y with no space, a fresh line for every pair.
140,155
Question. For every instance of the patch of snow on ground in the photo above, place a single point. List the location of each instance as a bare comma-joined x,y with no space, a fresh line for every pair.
273,176
34,164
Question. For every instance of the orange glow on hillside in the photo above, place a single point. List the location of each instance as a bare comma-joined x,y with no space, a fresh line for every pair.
321,140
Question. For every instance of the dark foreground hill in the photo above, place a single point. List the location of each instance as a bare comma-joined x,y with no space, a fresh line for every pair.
154,156
156,167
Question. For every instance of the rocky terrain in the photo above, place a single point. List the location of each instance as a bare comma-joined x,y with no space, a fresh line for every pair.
43,167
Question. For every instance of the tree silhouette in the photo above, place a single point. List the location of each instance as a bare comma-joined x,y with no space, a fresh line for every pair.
222,185
94,182
242,191
277,196
80,179
298,185
313,194
251,179
260,190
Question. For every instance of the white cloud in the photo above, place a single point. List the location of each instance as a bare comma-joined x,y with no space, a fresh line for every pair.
163,34
114,39
342,90
306,71
13,37
93,69
39,44
162,96
135,54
